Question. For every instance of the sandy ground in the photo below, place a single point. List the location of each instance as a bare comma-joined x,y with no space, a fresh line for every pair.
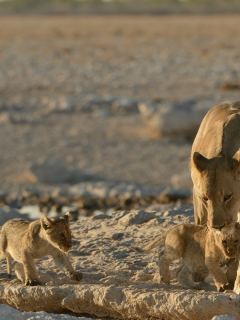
50,64
70,86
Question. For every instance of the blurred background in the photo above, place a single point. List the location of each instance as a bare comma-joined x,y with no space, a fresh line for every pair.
100,100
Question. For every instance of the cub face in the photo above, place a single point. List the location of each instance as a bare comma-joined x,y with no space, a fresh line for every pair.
229,244
57,232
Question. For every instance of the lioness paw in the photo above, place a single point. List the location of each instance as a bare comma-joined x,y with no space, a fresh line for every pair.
77,276
30,282
165,281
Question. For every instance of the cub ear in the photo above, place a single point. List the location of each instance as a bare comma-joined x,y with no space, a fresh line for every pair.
67,216
45,222
200,161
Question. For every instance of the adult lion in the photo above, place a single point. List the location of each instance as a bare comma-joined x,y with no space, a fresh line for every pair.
215,166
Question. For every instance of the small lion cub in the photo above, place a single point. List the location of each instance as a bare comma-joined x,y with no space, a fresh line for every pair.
26,241
202,251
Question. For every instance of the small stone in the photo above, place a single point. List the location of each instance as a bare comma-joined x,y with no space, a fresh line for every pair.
117,236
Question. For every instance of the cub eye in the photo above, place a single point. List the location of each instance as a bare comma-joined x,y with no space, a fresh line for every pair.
205,198
62,235
224,241
227,197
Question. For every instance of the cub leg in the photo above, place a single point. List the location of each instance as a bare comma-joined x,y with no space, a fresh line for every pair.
62,262
185,280
9,264
165,258
219,277
232,273
19,270
30,270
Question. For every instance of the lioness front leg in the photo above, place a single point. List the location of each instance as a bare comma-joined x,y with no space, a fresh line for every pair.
62,262
219,277
30,271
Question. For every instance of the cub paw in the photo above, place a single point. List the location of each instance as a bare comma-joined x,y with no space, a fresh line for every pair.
31,283
225,287
77,276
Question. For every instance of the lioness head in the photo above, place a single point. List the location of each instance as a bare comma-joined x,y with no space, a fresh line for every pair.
57,231
217,184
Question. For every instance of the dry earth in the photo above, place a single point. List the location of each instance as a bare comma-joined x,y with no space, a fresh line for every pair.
71,132
59,74
118,282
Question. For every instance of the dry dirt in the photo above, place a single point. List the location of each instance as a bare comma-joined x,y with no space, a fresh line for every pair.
69,88
53,67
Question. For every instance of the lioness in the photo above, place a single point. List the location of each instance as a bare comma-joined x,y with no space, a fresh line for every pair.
202,251
26,241
215,166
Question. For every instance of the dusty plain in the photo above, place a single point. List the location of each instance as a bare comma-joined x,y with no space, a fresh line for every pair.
69,93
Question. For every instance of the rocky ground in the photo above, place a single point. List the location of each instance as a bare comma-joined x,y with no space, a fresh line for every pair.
97,115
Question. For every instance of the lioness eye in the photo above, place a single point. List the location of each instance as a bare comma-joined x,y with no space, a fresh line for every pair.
62,235
227,197
224,241
236,241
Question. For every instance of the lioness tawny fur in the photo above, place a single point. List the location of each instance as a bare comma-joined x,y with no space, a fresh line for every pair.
26,241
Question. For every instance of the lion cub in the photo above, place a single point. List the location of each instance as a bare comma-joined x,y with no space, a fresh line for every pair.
26,241
202,252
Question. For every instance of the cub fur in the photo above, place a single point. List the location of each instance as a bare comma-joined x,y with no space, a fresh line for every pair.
202,252
25,241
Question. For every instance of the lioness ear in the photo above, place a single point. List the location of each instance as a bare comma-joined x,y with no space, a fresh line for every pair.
200,161
45,222
67,216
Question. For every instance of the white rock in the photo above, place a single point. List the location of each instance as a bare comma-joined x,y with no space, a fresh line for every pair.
136,217
7,213
172,119
9,313
50,316
52,171
223,318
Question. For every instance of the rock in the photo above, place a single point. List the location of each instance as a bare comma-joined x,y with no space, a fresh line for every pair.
9,313
5,117
125,105
136,217
102,106
50,316
182,181
117,282
61,104
171,194
223,318
117,236
51,171
101,217
174,118
7,213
